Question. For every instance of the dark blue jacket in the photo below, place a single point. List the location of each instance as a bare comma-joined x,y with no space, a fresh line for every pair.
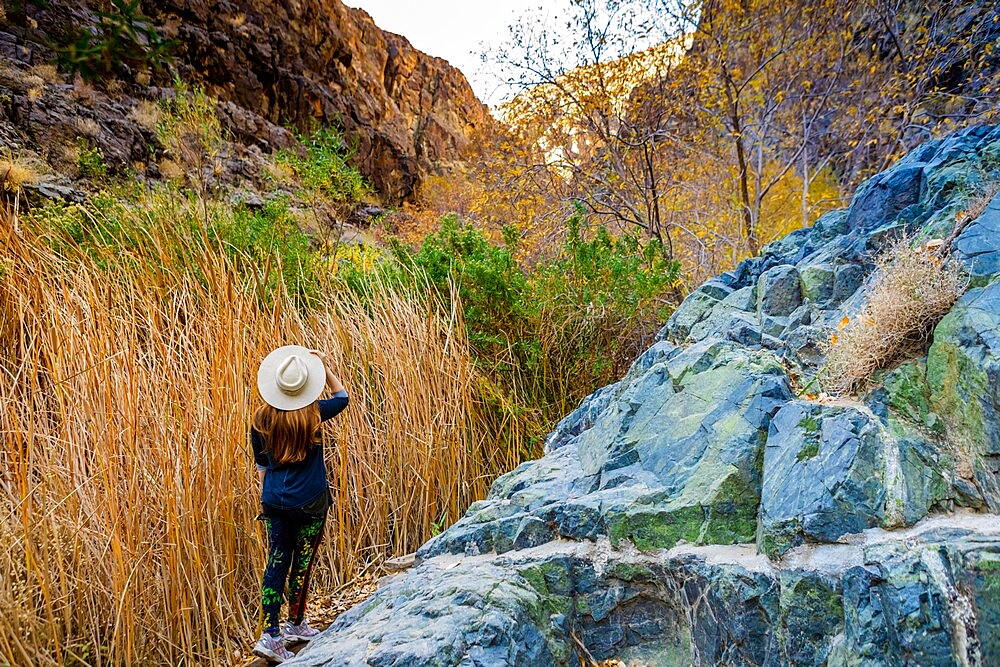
295,485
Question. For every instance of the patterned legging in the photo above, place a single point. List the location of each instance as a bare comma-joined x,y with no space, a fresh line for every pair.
293,542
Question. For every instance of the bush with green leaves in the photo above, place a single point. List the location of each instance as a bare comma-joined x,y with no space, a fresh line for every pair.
268,241
326,170
547,334
490,284
90,161
601,300
122,38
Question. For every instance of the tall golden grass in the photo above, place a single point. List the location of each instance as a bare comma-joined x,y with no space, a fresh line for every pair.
127,488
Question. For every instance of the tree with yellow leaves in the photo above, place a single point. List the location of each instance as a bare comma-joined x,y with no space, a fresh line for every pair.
715,126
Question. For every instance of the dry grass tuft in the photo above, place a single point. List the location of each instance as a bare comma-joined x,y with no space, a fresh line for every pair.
88,127
15,174
127,488
170,170
911,289
47,72
146,114
83,90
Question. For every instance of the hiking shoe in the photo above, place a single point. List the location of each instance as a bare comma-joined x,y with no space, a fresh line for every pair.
298,633
272,648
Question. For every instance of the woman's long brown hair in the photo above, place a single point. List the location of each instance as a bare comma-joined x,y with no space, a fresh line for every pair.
288,434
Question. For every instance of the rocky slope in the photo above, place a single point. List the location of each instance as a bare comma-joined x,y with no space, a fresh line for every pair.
698,512
271,64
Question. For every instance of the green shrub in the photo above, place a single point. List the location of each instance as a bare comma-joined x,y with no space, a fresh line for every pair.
548,334
90,161
123,38
491,286
326,170
601,301
269,239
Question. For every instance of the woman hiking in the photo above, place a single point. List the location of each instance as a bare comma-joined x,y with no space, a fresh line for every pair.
287,446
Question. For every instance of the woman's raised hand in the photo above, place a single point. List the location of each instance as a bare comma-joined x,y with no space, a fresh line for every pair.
332,381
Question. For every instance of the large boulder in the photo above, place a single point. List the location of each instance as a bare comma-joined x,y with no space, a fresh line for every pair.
674,455
703,510
963,373
929,593
828,471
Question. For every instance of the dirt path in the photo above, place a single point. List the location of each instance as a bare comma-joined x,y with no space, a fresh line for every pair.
324,610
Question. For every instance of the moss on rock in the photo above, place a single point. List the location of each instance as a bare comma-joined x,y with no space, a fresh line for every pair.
812,614
650,529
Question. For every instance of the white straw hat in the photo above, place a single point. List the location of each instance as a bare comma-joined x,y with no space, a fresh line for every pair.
291,377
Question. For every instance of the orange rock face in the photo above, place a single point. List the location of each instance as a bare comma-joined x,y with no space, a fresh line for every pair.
302,61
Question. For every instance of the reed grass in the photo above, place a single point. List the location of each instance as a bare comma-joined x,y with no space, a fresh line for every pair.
127,488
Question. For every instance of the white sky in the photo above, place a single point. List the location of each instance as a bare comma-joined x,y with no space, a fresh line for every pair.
454,30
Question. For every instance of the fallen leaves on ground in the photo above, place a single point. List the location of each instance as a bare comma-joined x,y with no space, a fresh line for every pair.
323,610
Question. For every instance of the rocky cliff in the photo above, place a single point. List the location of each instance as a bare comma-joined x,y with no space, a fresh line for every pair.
271,64
700,512
320,60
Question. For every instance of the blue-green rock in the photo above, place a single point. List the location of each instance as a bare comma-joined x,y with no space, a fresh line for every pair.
696,513
929,596
779,291
825,474
963,373
811,616
674,455
976,246
817,282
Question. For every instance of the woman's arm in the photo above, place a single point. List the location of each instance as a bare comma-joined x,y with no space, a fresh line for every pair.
331,407
259,457
332,381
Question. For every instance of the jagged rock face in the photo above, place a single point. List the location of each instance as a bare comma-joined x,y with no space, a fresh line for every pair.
674,455
318,60
914,598
697,512
274,64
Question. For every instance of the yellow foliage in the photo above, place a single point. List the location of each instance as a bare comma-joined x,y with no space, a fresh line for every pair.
769,122
360,256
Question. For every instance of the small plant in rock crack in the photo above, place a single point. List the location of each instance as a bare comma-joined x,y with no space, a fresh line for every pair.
911,289
90,161
975,207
